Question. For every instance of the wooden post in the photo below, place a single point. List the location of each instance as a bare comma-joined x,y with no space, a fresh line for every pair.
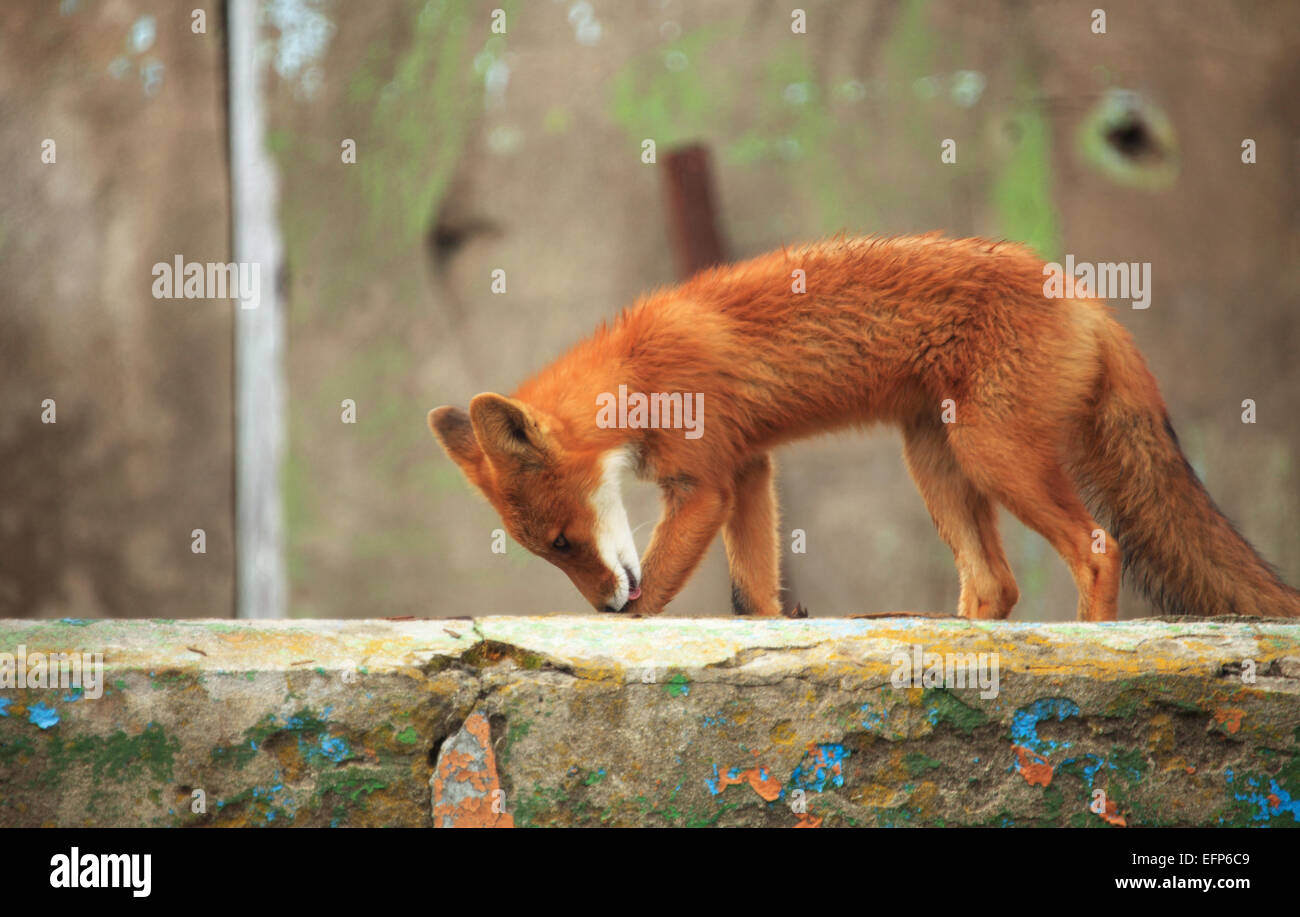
261,583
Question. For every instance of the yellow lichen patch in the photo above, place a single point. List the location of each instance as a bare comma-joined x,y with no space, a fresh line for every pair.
895,767
877,795
925,798
782,733
1160,739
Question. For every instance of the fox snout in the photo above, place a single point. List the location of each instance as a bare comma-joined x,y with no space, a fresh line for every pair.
608,590
627,589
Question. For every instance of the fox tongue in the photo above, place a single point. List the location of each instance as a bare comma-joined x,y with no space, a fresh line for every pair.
634,594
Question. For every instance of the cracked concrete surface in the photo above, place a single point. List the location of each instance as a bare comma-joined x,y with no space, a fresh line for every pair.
601,720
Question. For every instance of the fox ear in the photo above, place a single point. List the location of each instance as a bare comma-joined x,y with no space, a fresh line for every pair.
508,430
454,432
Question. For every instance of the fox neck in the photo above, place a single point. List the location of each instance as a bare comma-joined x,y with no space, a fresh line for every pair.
569,393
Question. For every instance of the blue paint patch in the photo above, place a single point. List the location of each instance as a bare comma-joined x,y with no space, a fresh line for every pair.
335,749
274,799
4,706
712,782
870,718
1090,769
716,720
74,696
43,716
1265,807
1024,722
826,764
75,622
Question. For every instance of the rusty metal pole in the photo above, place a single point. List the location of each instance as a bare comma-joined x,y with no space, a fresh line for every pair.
692,211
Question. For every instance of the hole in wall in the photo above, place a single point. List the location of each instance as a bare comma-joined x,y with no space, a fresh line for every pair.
1129,139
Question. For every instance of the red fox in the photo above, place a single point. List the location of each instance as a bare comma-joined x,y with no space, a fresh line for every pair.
1003,395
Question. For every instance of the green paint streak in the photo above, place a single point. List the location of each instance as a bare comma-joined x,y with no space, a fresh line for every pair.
917,763
408,736
530,810
517,729
651,102
117,757
677,686
943,707
9,750
704,818
1022,193
350,783
910,51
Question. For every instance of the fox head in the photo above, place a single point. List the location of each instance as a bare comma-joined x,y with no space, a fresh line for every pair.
558,500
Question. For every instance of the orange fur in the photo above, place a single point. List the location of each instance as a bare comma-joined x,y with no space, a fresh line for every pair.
1053,404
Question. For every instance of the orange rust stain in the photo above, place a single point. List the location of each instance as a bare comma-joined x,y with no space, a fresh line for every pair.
769,789
1229,718
807,820
476,809
1034,768
1111,816
1274,801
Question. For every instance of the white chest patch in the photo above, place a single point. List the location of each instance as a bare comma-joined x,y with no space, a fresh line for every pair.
613,534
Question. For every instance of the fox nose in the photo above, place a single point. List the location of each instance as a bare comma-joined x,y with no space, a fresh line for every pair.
633,592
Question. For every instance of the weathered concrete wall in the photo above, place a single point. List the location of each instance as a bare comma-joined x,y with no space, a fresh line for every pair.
97,509
602,721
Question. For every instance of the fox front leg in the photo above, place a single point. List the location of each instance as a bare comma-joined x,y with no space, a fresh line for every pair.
692,516
750,536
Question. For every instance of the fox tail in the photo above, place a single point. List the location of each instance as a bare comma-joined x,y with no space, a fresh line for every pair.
1177,546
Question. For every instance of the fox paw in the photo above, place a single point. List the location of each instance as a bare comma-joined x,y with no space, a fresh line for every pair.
798,611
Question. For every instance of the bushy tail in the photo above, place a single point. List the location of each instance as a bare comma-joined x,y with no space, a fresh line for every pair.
1178,548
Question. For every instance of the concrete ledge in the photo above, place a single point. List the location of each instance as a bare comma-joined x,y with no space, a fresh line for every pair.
598,720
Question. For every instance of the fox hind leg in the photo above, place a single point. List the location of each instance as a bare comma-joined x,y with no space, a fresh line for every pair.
1037,490
752,541
966,520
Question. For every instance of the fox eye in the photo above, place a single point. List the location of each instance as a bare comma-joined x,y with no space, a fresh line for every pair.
560,543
